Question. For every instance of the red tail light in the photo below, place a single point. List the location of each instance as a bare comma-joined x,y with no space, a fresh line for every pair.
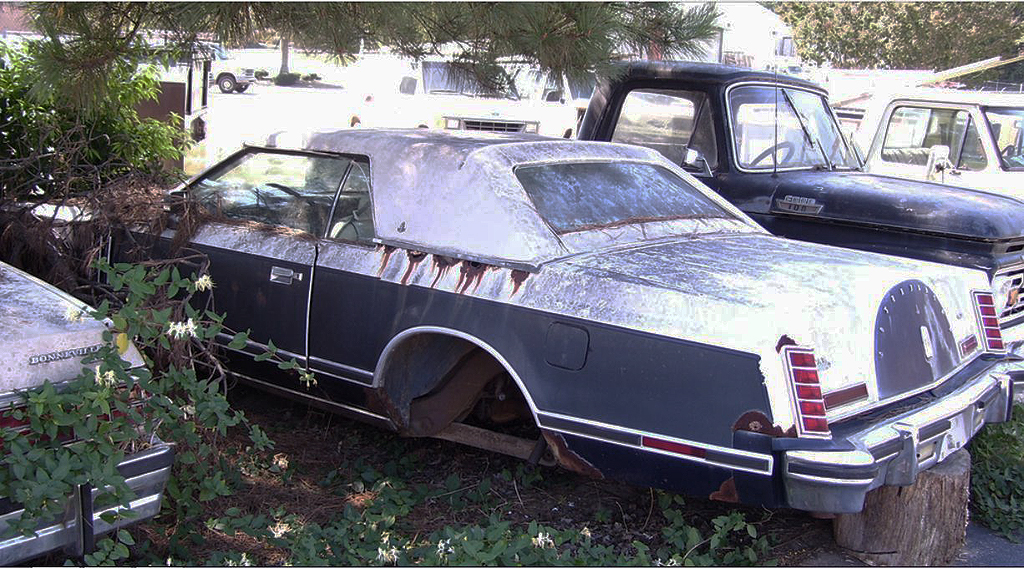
809,407
986,311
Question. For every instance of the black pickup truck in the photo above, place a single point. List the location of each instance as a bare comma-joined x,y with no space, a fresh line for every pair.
772,146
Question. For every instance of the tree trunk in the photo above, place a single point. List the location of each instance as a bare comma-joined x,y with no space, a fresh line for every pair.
284,55
920,525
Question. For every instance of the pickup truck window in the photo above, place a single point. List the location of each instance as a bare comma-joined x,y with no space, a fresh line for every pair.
1007,126
580,196
666,121
289,190
789,128
912,131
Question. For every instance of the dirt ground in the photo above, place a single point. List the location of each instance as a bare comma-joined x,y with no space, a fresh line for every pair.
310,444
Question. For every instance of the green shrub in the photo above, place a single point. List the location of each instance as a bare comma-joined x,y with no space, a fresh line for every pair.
287,79
311,77
52,147
186,405
261,74
997,476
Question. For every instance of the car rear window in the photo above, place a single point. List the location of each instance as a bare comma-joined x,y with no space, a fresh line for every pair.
580,196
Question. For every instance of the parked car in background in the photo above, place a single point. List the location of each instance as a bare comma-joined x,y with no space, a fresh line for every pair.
590,304
439,94
41,345
571,95
969,139
227,74
772,146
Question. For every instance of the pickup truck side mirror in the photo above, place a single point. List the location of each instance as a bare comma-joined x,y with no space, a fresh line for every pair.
692,158
938,162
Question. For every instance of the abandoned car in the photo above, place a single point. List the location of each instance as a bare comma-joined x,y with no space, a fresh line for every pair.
41,345
772,146
594,305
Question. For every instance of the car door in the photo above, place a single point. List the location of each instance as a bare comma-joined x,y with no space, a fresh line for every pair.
267,208
346,329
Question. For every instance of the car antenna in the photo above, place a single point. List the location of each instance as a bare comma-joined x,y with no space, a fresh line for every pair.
775,123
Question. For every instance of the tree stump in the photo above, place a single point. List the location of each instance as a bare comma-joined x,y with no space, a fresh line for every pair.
920,525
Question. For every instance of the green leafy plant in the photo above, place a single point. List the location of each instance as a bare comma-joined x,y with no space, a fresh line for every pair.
997,476
287,79
262,74
311,77
49,147
77,433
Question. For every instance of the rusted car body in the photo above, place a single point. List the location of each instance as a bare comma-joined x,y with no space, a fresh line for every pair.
39,345
595,305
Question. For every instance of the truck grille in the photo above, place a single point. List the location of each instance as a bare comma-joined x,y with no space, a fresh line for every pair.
494,125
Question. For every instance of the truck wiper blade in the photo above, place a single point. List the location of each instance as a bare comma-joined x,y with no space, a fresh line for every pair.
807,132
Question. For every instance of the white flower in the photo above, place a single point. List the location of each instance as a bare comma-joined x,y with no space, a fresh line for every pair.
107,379
543,540
444,548
279,529
243,561
180,329
585,532
73,314
387,556
203,283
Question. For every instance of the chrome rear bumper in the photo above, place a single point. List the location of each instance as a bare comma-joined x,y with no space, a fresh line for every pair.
146,473
893,451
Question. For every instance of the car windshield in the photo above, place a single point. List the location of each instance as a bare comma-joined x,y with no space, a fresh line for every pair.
1007,126
787,128
581,196
442,77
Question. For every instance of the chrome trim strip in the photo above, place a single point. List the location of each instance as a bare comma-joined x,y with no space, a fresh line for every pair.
339,405
354,370
767,459
830,480
911,393
257,344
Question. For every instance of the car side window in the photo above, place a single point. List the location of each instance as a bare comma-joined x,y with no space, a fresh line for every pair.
912,131
666,121
283,189
407,86
973,155
353,213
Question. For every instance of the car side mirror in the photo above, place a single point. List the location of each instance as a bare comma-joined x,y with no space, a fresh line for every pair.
692,158
938,162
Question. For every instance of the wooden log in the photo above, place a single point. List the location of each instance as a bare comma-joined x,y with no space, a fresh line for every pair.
923,524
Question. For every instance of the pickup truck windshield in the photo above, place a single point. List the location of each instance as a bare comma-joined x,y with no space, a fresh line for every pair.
582,196
441,77
1007,126
807,136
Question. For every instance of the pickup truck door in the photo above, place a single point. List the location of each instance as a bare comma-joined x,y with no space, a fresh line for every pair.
910,130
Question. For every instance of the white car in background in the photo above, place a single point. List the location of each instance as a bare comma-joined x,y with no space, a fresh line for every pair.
437,94
571,96
972,139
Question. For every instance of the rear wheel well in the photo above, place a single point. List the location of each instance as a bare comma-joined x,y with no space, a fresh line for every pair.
430,380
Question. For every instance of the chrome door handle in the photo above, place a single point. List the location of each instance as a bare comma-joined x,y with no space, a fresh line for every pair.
283,275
